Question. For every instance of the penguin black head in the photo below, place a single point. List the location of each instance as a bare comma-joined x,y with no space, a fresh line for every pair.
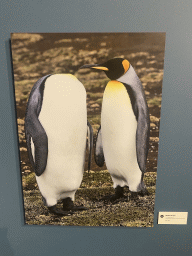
113,68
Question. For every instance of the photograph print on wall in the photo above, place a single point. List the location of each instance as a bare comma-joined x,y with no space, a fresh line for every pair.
88,114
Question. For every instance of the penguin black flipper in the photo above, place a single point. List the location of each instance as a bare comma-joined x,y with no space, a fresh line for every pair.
90,143
99,155
34,130
140,110
142,139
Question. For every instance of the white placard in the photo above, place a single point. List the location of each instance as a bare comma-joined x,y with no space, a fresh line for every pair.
178,218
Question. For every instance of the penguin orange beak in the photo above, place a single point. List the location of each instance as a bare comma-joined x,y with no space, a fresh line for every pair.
95,66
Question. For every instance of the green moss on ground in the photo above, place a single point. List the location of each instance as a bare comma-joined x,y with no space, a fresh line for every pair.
95,185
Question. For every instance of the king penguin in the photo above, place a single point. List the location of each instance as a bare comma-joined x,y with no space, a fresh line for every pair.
56,129
123,137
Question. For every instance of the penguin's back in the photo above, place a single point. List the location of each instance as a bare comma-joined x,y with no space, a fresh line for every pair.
63,113
64,117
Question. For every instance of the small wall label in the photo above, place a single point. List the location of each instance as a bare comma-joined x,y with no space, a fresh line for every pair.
178,218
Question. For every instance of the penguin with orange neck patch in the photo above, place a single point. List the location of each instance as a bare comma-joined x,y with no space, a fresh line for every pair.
123,137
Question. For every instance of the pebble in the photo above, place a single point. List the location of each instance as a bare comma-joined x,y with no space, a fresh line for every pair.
139,63
154,119
20,121
23,149
95,105
152,125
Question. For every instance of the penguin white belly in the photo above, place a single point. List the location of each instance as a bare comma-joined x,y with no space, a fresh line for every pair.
64,117
119,126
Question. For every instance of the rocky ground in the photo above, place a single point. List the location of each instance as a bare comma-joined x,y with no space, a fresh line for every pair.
35,55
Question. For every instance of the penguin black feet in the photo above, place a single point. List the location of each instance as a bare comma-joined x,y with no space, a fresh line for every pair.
142,189
55,210
118,194
144,192
68,205
68,208
134,195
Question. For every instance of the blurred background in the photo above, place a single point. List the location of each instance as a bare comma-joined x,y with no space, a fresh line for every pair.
36,55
